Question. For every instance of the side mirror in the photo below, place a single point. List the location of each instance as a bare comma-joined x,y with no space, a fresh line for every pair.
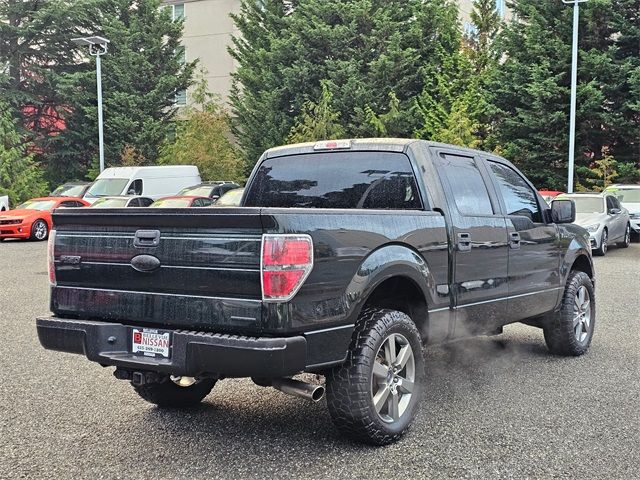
563,211
614,211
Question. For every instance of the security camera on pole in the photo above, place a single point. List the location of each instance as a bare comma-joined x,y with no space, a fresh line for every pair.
574,86
97,48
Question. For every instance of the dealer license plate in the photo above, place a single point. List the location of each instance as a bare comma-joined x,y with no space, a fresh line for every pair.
151,342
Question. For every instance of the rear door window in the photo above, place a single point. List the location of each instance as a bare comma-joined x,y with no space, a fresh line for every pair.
467,185
369,180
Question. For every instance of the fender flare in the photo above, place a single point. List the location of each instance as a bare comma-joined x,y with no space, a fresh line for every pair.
384,263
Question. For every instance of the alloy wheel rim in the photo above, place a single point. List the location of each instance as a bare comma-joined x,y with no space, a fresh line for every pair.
627,236
582,314
393,378
41,230
605,239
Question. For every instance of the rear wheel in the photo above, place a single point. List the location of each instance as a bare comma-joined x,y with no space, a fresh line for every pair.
39,230
601,251
570,330
626,240
175,392
375,395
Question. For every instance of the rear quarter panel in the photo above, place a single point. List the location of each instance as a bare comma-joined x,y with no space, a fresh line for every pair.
354,251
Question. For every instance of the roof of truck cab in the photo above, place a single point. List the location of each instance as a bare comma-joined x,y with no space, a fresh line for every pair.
377,144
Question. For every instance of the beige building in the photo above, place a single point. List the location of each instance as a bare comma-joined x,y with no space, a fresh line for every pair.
208,30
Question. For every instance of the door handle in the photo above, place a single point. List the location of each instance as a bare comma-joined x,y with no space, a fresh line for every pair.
514,240
146,238
464,242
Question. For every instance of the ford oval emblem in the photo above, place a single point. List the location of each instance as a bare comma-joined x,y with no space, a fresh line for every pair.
145,263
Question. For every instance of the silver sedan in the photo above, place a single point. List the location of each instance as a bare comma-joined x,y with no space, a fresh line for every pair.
604,218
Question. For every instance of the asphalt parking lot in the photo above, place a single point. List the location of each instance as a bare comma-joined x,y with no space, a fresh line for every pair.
497,407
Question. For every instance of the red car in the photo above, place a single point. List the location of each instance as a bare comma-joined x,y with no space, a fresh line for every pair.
183,201
549,195
32,219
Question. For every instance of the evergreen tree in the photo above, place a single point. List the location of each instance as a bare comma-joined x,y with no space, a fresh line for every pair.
20,177
318,121
36,50
531,88
364,49
141,74
480,41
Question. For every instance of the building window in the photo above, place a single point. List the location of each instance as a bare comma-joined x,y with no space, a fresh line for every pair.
181,98
181,95
177,11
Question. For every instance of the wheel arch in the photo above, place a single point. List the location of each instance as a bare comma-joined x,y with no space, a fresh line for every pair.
394,277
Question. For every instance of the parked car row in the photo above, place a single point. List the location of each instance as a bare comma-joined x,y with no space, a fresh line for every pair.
610,217
124,187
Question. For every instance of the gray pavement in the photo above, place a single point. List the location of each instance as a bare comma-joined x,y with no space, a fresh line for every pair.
495,408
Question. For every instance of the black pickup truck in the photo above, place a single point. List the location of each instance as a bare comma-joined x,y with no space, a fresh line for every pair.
344,259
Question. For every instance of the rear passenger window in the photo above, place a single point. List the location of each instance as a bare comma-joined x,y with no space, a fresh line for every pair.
469,190
519,198
370,180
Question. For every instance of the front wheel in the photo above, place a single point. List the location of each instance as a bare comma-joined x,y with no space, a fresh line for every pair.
601,251
570,330
39,230
175,392
374,396
626,240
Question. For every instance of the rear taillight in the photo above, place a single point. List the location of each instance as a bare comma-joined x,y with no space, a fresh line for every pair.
287,260
51,258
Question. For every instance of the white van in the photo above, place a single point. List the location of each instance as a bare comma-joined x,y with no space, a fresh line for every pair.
154,182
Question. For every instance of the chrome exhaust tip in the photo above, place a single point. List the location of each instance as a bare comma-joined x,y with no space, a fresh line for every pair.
308,391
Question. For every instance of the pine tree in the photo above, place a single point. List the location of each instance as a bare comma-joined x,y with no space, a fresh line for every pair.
480,40
36,50
531,88
364,49
318,121
20,177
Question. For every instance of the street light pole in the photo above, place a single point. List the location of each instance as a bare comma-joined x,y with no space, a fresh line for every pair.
574,88
97,48
100,119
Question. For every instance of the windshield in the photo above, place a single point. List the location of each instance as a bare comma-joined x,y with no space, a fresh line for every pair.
172,203
68,191
110,203
37,205
588,204
629,195
108,186
231,198
197,191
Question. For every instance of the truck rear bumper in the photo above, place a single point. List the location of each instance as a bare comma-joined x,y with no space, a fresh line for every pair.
192,353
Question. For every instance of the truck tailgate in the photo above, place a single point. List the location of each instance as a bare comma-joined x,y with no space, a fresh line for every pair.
188,268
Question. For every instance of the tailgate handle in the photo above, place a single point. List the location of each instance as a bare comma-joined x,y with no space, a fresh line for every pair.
146,238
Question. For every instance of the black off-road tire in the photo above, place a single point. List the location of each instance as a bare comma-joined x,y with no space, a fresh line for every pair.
626,240
601,251
167,394
559,329
349,387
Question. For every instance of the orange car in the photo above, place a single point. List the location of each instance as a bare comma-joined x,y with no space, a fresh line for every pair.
32,219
